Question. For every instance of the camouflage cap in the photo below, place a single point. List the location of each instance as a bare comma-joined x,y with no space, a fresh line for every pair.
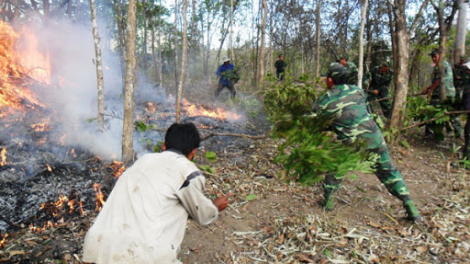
463,58
434,52
336,69
386,64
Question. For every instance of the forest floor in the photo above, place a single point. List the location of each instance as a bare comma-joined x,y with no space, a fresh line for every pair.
272,221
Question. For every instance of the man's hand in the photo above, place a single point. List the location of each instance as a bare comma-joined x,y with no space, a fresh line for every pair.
222,202
375,92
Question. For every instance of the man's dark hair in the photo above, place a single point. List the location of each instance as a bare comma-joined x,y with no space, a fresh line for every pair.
338,73
182,137
281,55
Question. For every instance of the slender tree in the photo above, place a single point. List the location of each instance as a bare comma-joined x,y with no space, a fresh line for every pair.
262,50
361,40
183,61
128,122
461,32
99,66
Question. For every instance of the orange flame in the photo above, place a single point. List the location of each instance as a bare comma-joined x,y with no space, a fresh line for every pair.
19,63
118,168
218,113
151,108
3,240
49,168
41,127
99,197
3,155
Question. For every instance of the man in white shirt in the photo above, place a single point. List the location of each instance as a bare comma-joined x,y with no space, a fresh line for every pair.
144,218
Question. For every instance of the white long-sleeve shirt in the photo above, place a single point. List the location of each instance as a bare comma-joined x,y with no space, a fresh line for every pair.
144,218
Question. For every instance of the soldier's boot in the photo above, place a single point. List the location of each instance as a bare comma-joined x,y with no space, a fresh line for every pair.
330,185
329,203
412,213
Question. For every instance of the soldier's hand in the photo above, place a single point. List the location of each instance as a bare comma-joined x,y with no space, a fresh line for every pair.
375,92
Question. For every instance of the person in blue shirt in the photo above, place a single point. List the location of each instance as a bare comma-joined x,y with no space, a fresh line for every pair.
227,74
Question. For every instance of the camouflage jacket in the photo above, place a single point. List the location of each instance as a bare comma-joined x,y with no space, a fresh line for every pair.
351,120
461,77
449,80
353,73
381,80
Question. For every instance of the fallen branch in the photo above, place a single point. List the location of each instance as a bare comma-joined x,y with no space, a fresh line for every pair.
233,135
435,118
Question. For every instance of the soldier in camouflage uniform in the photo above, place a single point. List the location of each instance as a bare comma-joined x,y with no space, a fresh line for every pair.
351,121
433,92
352,71
461,81
463,73
379,89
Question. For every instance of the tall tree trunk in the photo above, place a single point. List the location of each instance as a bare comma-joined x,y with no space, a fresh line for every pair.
183,61
401,75
128,122
461,34
99,66
160,59
176,45
318,38
361,40
232,55
262,50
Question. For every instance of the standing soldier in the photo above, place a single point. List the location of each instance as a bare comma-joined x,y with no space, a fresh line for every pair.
461,80
433,92
463,73
351,122
228,76
379,89
352,70
280,67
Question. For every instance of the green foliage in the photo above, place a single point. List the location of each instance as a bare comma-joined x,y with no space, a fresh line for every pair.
142,127
251,197
211,156
306,150
288,97
206,168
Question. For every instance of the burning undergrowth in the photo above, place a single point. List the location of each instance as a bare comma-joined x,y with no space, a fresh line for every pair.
55,167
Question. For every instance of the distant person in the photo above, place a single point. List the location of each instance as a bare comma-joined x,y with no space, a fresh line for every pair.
353,72
347,105
144,218
280,65
461,80
433,91
379,87
228,76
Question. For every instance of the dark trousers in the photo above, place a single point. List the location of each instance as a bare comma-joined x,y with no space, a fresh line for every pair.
280,75
229,86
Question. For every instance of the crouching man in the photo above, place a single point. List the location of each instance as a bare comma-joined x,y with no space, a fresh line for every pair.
144,218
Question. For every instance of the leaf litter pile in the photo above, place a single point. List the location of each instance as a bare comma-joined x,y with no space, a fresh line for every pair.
270,221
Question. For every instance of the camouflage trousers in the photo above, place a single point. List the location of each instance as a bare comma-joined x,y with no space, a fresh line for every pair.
385,104
384,170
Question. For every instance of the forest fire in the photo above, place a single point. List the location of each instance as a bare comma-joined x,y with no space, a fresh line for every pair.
218,113
20,65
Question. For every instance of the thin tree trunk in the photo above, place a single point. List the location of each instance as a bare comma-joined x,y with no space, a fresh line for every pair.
232,55
361,40
401,75
262,50
128,122
160,60
318,38
176,44
461,34
183,61
99,66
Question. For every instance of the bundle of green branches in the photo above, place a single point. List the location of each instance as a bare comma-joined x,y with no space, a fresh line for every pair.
307,150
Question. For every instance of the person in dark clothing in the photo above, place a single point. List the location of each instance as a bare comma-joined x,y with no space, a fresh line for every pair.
226,72
280,67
